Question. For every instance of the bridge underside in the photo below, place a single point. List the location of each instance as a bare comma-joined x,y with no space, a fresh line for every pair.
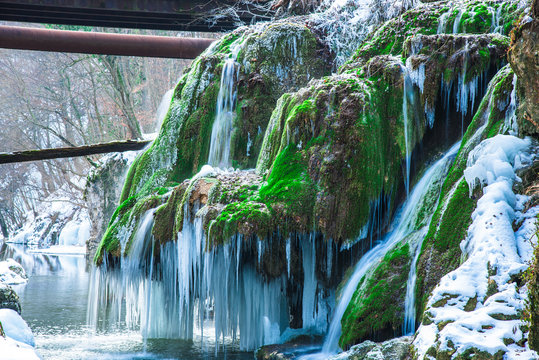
177,15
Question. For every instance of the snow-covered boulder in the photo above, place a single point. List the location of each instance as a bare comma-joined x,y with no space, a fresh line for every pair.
15,327
12,273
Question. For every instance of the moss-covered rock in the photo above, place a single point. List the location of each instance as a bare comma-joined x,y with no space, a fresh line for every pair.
376,311
439,18
271,59
123,225
451,59
102,194
344,136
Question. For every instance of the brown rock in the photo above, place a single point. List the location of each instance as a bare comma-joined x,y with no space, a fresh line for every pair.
524,58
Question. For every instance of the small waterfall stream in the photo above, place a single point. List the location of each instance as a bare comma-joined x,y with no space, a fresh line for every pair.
407,91
224,119
402,226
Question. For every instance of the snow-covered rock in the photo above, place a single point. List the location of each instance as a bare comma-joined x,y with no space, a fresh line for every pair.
9,298
476,309
15,327
12,273
394,349
13,350
16,338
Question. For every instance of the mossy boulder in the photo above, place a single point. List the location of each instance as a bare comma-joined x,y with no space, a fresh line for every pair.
271,59
343,137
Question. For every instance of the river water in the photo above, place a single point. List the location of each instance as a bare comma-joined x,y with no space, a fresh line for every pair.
54,304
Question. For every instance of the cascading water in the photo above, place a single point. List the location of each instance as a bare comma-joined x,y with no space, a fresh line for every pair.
407,91
409,300
226,101
163,107
402,226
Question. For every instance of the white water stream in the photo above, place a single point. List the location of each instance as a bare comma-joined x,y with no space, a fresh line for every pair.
224,119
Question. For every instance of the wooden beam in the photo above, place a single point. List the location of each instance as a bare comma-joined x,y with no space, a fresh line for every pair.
67,152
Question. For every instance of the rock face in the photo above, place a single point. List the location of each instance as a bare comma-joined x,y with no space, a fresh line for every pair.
394,349
441,251
524,60
102,195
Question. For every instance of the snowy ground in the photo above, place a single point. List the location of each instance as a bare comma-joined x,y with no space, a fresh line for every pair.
17,340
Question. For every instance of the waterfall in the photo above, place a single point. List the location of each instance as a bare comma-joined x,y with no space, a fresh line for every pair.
162,109
221,133
402,226
510,122
457,21
406,88
409,300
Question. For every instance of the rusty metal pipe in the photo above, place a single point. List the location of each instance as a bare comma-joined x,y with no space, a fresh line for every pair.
15,37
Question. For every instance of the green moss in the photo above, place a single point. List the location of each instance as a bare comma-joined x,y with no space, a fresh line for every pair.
226,41
476,354
289,184
165,227
378,306
448,228
232,217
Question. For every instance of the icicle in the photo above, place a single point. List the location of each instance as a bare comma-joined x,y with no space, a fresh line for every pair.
309,282
249,144
199,285
429,114
288,256
417,76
